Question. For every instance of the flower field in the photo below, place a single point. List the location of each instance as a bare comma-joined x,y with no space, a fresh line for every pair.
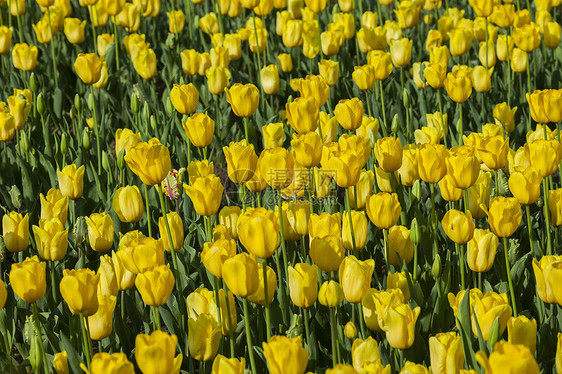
280,186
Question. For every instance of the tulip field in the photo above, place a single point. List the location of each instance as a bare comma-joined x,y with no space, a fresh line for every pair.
280,186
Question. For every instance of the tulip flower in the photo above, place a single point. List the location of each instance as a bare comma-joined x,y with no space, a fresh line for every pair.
384,209
388,152
101,323
316,87
486,309
458,226
400,244
285,62
303,284
547,271
127,203
155,285
463,166
24,57
205,194
176,230
349,113
525,185
303,114
71,181
141,254
149,160
398,322
375,302
240,273
330,294
74,30
204,337
51,239
355,277
79,289
100,231
110,363
285,355
330,71
223,365
244,99
27,279
327,252
199,128
363,352
5,39
15,231
358,239
88,67
60,363
504,216
184,98
481,250
258,231
276,167
446,353
156,353
521,330
258,297
508,357
54,205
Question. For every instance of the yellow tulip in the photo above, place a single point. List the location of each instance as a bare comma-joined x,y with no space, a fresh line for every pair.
363,352
176,230
123,277
521,330
432,166
525,184
258,231
558,357
324,224
244,99
401,51
177,21
149,160
273,135
258,297
547,272
24,57
398,323
504,216
71,181
330,71
350,331
214,255
399,244
100,231
285,62
382,61
408,14
141,254
486,309
276,167
360,230
240,273
156,353
355,277
285,355
223,365
107,284
307,149
51,239
458,86
241,161
458,226
303,114
330,294
384,209
88,67
481,250
7,126
364,77
199,128
79,289
363,189
127,203
527,37
446,353
27,279
399,281
269,78
508,357
327,252
54,205
184,98
388,152
115,363
74,30
155,285
552,35
60,363
125,138
204,337
349,113
205,194
101,322
15,231
303,284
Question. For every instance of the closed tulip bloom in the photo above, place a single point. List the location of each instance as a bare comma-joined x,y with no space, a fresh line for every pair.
269,78
142,254
228,216
276,167
5,39
15,231
101,322
493,151
241,161
303,284
19,109
303,114
190,61
463,166
486,309
27,279
481,250
544,155
400,244
504,216
360,230
54,205
521,330
363,352
398,322
330,71
518,60
60,363
401,52
177,21
155,353
104,40
458,86
446,353
504,116
88,67
7,127
223,365
482,8
382,61
273,134
508,358
315,86
295,219
552,102
363,189
100,231
51,239
176,230
125,138
144,63
205,194
371,39
547,272
71,181
204,337
432,166
527,37
240,273
330,294
24,57
458,226
79,289
258,231
327,252
244,99
555,206
127,203
199,128
435,73
214,255
448,190
184,98
552,35
285,355
481,78
460,40
258,297
307,149
384,209
525,184
124,279
115,363
155,285
388,152
107,284
217,79
364,77
285,62
324,224
74,30
331,41
355,277
407,14
349,113
149,160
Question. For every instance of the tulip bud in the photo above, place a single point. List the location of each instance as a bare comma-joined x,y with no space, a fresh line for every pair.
104,161
63,144
395,125
415,233
121,159
40,104
168,106
145,112
416,190
24,142
35,357
80,231
350,330
33,82
78,103
16,197
91,102
406,98
86,139
436,267
135,102
495,333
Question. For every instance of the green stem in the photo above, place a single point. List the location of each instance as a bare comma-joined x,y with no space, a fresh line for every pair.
461,131
147,211
434,220
508,271
229,322
40,336
546,210
415,262
333,334
444,129
246,129
156,311
306,327
53,54
218,300
249,336
116,42
96,128
53,282
257,42
92,9
529,226
266,299
85,340
282,290
529,89
508,68
386,249
384,128
348,208
361,320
